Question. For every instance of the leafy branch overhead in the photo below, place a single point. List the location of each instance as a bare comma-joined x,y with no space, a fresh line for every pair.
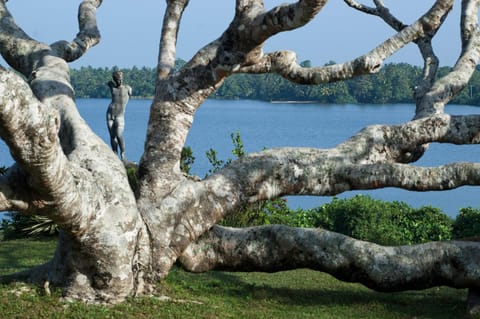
116,242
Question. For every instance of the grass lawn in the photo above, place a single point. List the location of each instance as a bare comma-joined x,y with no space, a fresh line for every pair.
292,294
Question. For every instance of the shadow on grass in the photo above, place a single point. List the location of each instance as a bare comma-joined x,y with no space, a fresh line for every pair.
321,289
22,254
289,291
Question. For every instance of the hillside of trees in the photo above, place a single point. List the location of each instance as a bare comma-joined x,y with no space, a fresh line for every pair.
391,85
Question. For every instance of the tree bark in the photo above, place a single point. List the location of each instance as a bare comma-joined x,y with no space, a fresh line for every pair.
388,269
71,175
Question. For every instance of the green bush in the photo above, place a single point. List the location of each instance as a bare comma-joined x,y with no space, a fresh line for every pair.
386,223
267,212
132,178
467,223
429,224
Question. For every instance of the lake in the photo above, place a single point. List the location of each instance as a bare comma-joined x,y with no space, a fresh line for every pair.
267,125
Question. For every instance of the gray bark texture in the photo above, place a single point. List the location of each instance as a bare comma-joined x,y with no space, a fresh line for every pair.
115,244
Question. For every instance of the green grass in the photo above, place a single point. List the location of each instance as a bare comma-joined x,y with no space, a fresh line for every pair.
292,294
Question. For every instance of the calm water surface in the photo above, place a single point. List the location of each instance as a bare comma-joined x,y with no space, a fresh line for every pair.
270,125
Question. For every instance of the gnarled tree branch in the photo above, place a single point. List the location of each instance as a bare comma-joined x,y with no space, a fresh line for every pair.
30,129
17,48
17,194
168,41
87,37
380,10
424,43
409,177
305,171
283,18
276,248
285,64
449,86
369,160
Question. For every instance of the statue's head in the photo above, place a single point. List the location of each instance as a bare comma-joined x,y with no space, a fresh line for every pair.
117,77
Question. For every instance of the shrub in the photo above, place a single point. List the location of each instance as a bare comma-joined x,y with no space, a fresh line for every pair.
430,224
467,223
132,178
386,223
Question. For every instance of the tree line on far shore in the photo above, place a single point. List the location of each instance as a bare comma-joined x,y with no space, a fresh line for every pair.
393,84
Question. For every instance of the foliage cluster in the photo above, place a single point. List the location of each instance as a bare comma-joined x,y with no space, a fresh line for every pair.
467,224
363,217
20,226
393,84
386,223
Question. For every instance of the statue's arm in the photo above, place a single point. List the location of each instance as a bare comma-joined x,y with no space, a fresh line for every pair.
111,86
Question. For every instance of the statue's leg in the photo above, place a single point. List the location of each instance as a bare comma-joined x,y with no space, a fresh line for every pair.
121,144
119,133
111,131
113,142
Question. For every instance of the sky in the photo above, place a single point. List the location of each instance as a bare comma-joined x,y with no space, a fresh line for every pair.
131,30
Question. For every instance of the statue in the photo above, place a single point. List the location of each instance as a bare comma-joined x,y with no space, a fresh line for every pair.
116,111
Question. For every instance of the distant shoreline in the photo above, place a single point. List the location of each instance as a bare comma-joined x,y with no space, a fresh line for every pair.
293,102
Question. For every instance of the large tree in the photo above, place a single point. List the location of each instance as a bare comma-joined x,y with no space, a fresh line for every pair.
115,243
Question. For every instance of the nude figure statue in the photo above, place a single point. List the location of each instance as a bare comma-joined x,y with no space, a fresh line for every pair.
116,111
